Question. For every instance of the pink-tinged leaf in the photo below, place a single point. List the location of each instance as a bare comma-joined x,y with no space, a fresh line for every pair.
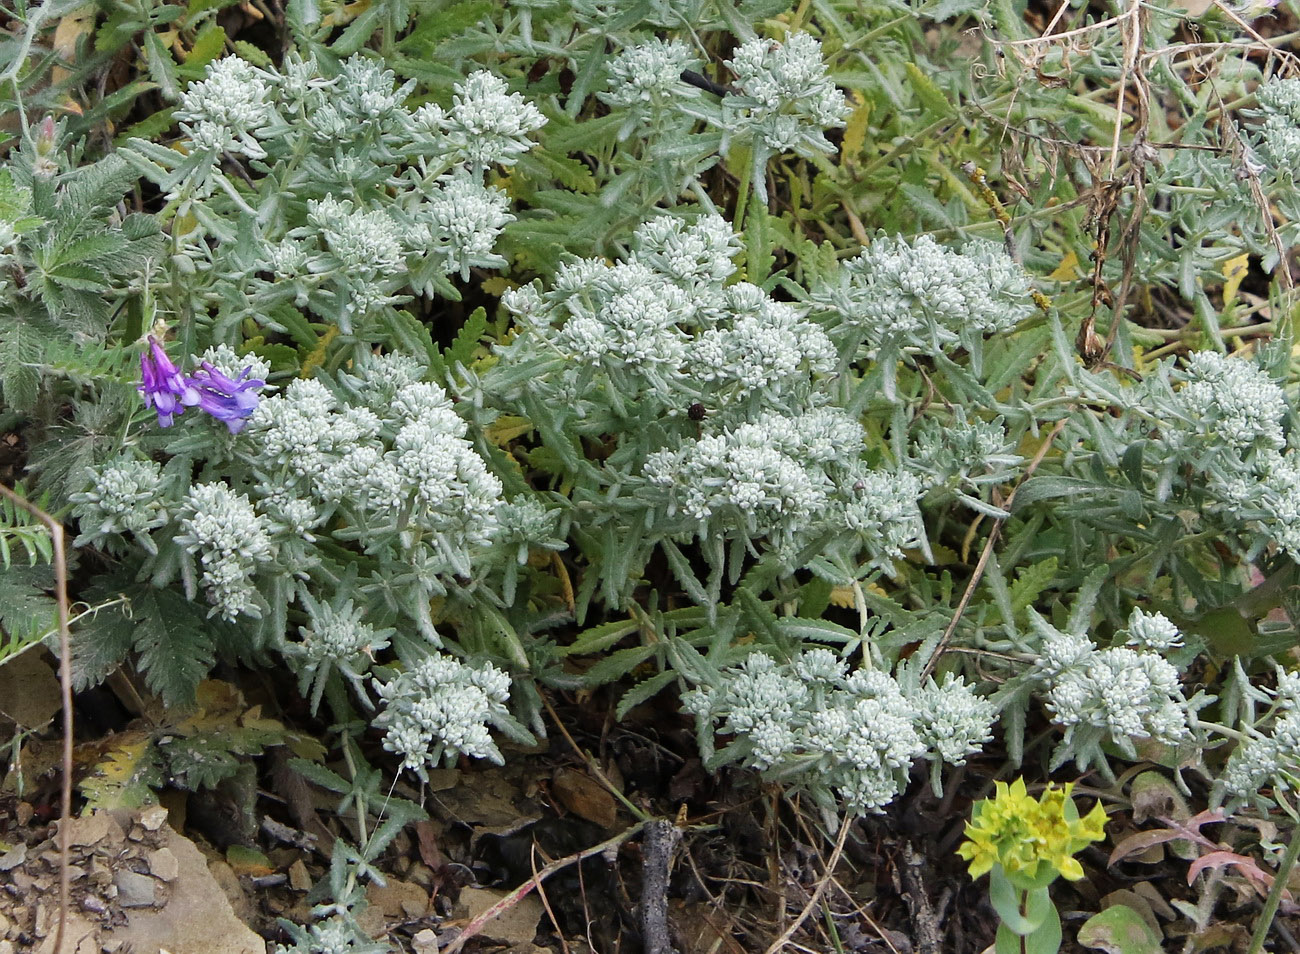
1189,830
1247,866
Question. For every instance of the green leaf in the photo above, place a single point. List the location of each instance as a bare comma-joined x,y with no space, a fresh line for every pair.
932,98
432,29
599,638
162,68
253,54
20,350
1119,930
174,640
26,608
1031,582
643,691
461,351
618,664
208,44
758,245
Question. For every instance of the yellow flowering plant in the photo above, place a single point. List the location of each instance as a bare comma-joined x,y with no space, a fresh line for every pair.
1024,844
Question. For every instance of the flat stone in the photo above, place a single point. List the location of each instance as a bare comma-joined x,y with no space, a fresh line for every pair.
97,830
425,942
163,864
516,925
135,890
197,918
12,858
152,817
299,879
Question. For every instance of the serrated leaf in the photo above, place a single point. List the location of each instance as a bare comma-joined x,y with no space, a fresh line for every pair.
208,44
461,351
618,664
1031,582
932,98
172,637
20,350
643,691
253,54
126,777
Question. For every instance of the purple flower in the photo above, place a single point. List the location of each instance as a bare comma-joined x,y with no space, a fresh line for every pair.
231,401
163,387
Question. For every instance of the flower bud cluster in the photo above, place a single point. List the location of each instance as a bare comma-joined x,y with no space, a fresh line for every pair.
786,101
1279,106
125,496
919,294
397,454
440,709
835,733
1121,694
231,541
362,198
1269,757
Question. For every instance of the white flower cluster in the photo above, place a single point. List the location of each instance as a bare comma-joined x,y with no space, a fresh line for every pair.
339,634
785,101
460,223
963,452
646,80
125,496
232,365
1226,425
224,111
921,294
854,734
358,240
338,934
394,198
440,709
663,328
759,477
397,455
785,477
1120,694
882,509
1153,632
362,103
486,125
231,540
1279,105
1271,758
1228,401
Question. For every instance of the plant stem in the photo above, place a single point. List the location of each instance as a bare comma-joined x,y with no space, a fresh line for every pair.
1275,893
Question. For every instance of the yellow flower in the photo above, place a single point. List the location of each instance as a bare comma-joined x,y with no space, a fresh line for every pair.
1029,836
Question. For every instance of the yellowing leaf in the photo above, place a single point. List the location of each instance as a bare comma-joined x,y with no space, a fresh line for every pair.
1234,270
506,428
928,92
855,130
1068,270
124,779
842,596
497,285
71,28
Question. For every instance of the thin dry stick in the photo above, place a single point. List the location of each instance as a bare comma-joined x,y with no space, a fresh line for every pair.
595,769
546,902
817,893
515,896
987,553
65,685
